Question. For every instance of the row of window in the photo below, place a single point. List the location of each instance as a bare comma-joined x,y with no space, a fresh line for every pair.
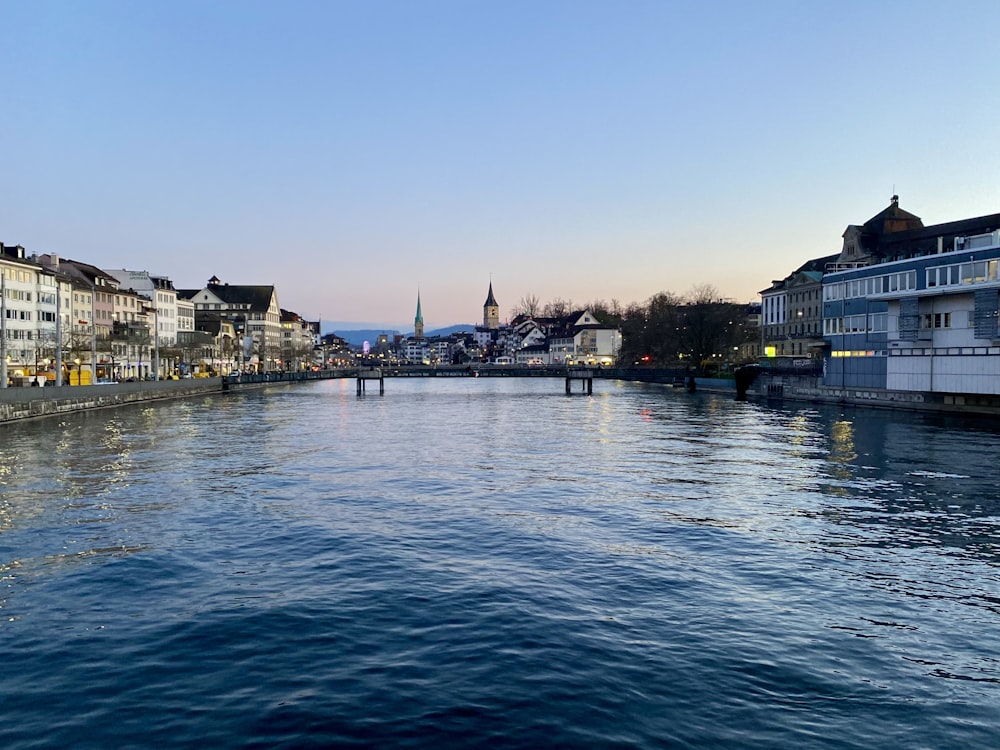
936,320
792,329
871,323
962,273
773,310
17,295
804,296
781,349
83,298
879,323
13,274
955,274
23,334
890,282
45,316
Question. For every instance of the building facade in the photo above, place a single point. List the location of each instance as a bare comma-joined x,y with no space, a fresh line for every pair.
256,317
792,312
914,308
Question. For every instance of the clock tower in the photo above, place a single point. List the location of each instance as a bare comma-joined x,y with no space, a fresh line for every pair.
491,311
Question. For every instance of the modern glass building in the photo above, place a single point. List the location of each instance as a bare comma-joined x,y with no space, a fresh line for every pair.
914,308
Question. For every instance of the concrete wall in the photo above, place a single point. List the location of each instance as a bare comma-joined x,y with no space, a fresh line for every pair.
811,390
974,370
26,403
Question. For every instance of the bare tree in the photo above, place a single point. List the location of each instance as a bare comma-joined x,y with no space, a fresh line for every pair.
608,314
701,294
557,308
712,329
650,332
44,351
528,305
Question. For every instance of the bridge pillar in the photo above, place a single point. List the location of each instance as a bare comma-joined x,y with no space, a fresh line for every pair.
586,378
365,375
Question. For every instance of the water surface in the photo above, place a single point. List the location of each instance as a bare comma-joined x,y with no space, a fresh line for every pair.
488,562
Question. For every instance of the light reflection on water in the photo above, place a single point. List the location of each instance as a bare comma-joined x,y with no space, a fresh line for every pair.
469,562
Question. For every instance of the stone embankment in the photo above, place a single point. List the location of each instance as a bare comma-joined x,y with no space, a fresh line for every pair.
27,403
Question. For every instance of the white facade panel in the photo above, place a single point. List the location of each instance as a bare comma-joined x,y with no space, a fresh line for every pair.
908,373
944,373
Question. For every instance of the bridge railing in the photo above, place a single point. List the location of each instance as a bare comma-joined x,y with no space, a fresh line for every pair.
670,376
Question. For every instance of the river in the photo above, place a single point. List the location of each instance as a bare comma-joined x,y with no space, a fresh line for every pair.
491,563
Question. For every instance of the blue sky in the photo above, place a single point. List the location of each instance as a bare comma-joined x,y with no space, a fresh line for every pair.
351,152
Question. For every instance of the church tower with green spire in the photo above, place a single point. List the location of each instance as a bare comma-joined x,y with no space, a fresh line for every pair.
491,311
418,321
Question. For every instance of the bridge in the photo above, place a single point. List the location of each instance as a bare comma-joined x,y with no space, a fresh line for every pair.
585,375
25,403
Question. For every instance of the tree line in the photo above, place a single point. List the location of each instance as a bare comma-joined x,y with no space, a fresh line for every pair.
698,330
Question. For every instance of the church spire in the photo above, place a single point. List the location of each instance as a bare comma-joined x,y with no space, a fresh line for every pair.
418,321
491,311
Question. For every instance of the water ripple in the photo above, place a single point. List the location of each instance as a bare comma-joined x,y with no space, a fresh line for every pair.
469,564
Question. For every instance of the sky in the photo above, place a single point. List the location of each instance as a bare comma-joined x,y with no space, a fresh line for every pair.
353,152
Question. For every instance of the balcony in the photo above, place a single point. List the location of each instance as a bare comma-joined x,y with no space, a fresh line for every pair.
131,332
846,266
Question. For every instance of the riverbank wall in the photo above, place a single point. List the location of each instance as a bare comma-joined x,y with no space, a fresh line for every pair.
29,403
810,388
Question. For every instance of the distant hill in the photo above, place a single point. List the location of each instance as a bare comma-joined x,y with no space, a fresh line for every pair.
460,328
359,336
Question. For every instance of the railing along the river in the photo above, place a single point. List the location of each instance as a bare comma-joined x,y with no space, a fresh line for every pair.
670,376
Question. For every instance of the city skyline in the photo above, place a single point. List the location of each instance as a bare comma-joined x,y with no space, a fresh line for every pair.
349,153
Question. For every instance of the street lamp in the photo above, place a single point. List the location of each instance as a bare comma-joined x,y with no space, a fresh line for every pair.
3,328
156,344
239,326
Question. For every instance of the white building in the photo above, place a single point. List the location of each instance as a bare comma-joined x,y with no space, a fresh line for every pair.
582,339
22,334
256,314
160,291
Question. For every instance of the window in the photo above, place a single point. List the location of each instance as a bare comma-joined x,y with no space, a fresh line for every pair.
833,326
935,320
855,324
878,322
